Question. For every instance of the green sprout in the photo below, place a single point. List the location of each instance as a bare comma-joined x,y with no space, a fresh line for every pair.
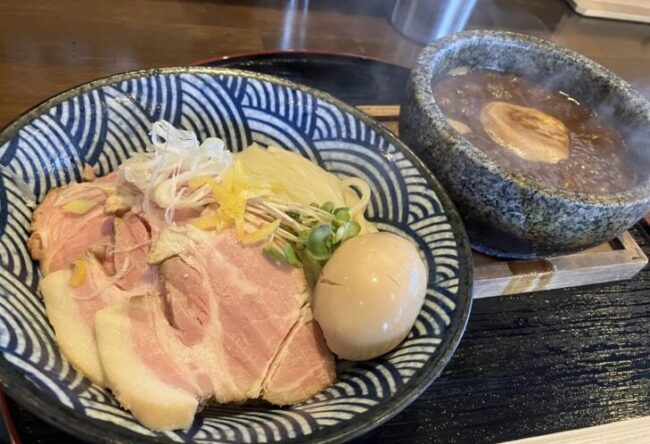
314,230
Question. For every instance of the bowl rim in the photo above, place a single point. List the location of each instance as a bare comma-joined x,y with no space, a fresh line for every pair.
14,383
427,66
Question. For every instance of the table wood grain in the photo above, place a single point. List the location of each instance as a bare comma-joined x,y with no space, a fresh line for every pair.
49,46
623,432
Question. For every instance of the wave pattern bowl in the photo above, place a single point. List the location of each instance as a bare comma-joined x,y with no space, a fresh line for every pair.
105,121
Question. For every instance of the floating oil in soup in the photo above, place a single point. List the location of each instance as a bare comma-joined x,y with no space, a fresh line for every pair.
544,135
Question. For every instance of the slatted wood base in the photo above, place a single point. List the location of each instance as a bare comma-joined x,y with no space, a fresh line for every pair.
616,260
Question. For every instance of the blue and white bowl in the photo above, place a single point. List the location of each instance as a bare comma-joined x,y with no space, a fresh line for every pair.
102,123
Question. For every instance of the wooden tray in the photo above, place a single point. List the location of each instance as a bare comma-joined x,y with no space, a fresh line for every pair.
616,260
630,10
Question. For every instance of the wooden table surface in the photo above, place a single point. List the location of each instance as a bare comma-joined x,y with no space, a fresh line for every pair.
591,336
47,46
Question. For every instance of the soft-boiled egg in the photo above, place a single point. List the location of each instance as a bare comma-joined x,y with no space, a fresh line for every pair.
369,294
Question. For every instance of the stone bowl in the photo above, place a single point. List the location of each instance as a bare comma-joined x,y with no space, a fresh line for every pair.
506,214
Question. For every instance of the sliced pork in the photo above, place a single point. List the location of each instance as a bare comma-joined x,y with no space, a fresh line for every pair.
304,366
230,325
169,316
131,248
71,311
246,303
147,367
59,236
109,254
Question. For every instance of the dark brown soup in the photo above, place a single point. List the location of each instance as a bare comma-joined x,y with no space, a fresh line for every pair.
545,135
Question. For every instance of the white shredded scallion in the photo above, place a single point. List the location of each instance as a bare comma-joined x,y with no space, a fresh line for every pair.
174,157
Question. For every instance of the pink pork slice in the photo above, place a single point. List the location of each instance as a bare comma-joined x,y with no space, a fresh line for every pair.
148,369
232,298
304,366
132,245
71,311
230,325
60,237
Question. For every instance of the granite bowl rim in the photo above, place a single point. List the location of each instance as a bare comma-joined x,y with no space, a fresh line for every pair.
425,68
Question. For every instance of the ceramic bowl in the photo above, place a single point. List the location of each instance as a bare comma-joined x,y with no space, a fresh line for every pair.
505,213
102,123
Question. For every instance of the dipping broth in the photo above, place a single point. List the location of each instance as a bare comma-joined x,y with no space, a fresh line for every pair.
544,135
